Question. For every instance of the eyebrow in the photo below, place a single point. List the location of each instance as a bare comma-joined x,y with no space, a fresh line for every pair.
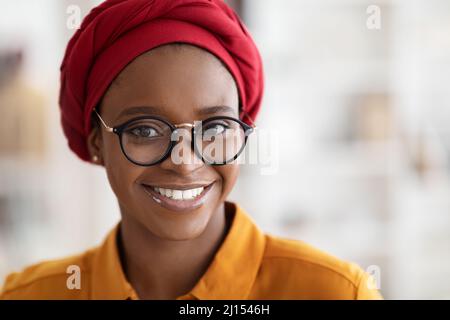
139,110
157,110
215,109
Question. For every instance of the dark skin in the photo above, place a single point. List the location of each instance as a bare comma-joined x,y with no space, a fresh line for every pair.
165,253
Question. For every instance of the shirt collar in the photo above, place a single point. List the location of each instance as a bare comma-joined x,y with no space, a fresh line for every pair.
108,280
234,268
230,275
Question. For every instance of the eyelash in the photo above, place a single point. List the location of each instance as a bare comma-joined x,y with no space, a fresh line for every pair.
131,130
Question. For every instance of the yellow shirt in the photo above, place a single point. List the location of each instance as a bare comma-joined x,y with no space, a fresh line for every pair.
248,265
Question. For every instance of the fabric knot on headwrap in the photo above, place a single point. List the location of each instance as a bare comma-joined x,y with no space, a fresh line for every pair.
117,31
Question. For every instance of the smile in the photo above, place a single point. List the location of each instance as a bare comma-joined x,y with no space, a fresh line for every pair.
179,198
180,195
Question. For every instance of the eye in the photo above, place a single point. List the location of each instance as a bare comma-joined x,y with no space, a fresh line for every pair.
144,132
215,128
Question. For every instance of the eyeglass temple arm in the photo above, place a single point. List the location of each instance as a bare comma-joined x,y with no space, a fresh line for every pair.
107,128
245,114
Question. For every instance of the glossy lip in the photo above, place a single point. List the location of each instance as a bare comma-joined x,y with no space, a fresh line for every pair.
179,205
179,187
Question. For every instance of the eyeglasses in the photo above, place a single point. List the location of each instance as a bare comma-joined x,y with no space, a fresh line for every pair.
149,140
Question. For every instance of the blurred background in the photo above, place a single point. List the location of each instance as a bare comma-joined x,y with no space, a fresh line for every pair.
358,92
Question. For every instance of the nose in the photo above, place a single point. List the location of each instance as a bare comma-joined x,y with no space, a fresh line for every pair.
182,159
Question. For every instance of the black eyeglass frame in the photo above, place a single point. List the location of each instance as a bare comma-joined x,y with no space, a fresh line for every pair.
118,130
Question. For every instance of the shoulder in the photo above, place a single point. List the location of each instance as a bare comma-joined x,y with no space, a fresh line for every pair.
47,280
297,253
304,271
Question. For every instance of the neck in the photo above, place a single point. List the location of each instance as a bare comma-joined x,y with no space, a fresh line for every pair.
165,269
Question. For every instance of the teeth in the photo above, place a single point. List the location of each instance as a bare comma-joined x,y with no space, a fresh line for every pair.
177,194
180,194
187,194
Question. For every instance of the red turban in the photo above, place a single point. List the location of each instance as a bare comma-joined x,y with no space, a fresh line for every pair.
117,31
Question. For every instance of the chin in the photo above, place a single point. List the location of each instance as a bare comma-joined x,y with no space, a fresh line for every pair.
176,226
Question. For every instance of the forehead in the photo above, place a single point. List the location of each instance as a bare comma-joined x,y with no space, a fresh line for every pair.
179,80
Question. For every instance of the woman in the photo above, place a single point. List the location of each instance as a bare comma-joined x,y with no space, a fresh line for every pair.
136,79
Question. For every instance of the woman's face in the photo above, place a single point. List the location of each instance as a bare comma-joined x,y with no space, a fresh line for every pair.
181,84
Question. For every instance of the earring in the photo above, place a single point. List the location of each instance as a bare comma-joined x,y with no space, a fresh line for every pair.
94,158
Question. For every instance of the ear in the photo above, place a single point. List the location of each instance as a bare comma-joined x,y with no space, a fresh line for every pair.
95,146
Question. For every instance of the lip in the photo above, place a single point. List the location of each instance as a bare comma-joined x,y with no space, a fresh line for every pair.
179,187
179,205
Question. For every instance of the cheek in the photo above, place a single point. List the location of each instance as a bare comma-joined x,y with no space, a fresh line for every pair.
229,174
121,173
